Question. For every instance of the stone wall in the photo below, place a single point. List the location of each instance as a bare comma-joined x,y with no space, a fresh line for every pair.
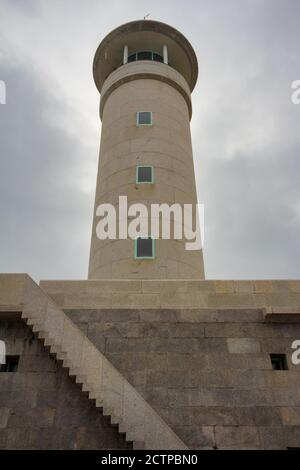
206,372
272,295
41,407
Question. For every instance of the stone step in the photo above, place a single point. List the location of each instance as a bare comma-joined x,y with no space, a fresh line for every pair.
38,328
43,335
54,348
108,411
138,445
93,395
133,436
32,322
61,356
66,361
80,379
114,419
49,343
85,388
122,427
99,403
73,371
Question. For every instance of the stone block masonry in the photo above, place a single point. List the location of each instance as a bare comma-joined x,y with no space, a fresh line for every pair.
41,407
207,372
275,297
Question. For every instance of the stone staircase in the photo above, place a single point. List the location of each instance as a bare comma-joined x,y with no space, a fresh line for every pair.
111,392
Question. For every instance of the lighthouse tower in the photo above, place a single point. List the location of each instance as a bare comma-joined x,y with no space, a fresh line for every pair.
145,72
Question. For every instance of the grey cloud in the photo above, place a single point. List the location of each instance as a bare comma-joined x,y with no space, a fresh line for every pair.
245,133
45,219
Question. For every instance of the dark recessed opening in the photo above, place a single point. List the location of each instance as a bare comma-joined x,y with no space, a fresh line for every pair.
11,364
279,361
144,118
145,55
144,248
144,174
132,58
157,57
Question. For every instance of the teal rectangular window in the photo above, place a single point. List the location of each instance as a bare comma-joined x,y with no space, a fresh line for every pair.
144,248
144,174
144,118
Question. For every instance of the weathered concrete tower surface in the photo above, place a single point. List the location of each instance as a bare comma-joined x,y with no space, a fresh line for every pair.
145,72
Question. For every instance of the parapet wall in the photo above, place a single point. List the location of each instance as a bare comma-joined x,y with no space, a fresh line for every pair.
272,295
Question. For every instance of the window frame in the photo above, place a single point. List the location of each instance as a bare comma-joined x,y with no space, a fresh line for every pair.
144,52
144,257
135,54
281,359
142,125
137,174
11,359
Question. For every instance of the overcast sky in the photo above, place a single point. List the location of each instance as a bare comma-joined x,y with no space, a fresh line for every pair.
245,130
